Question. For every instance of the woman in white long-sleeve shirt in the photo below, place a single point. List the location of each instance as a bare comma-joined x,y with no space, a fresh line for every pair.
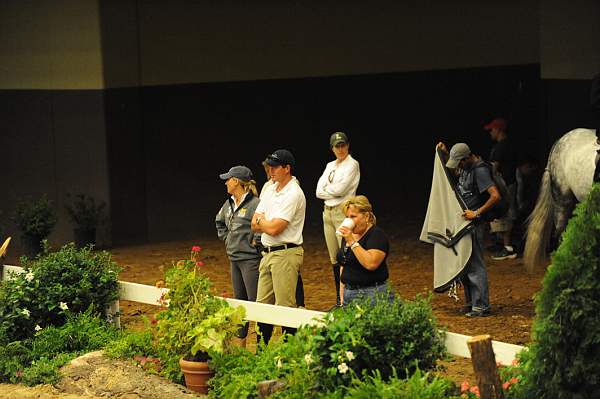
338,183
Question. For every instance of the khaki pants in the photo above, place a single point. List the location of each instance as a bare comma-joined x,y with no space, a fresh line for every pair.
332,218
278,276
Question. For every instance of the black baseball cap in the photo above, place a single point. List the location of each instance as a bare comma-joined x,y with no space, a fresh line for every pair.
280,158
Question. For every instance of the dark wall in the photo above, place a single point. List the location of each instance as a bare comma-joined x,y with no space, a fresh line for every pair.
52,142
191,133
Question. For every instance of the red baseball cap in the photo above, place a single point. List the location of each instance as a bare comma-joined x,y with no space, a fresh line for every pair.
496,123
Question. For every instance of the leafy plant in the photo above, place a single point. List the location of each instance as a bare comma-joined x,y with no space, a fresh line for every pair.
563,358
418,386
196,324
36,360
70,278
386,336
84,212
353,341
132,343
35,218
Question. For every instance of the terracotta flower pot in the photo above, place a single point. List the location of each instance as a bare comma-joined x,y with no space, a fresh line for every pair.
196,375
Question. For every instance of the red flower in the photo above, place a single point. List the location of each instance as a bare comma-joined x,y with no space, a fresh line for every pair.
196,248
200,263
464,387
153,321
514,380
506,385
474,389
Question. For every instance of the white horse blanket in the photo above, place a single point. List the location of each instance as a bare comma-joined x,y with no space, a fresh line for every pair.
446,228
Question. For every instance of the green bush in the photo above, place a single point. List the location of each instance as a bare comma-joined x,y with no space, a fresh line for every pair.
35,218
36,360
418,386
351,343
83,211
563,361
70,278
132,343
386,336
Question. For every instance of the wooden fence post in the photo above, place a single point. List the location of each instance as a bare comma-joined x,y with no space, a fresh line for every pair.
484,365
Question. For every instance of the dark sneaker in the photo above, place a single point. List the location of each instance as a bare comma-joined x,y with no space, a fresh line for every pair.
465,309
504,254
494,248
478,313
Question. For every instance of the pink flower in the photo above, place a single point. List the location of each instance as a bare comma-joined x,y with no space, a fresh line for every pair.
196,248
200,263
474,389
464,387
506,385
514,380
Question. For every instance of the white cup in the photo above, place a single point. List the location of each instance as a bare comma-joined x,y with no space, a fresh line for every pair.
347,223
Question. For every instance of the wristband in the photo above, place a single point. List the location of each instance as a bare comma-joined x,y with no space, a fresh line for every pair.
354,245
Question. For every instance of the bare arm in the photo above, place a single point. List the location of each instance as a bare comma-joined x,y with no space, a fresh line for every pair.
272,227
494,197
370,259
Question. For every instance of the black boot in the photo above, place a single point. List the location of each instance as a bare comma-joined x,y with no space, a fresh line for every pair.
336,276
265,330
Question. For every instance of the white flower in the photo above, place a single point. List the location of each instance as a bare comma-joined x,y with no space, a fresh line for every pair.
349,355
308,358
29,276
343,368
279,364
37,327
63,306
25,312
330,317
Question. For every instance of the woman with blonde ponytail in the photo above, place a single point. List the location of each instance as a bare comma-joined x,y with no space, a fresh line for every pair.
233,227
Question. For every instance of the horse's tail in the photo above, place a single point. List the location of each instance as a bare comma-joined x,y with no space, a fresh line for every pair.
539,225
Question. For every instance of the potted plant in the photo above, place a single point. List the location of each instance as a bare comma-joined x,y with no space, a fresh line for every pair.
86,216
195,324
35,219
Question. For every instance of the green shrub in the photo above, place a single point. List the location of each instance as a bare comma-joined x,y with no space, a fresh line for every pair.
418,386
35,218
351,343
383,336
132,343
83,211
36,360
563,362
70,278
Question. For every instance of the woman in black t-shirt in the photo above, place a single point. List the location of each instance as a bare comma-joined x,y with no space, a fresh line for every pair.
363,253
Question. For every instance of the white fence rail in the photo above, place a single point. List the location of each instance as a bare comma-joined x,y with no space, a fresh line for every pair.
456,344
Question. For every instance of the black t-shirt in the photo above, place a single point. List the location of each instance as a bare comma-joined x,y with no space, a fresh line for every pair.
354,273
505,154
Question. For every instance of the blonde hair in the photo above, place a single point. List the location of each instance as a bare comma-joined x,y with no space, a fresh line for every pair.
249,185
361,204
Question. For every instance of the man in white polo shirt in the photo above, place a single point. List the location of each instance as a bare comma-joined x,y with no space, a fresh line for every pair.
280,218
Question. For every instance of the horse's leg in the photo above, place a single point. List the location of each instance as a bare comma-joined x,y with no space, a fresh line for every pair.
564,202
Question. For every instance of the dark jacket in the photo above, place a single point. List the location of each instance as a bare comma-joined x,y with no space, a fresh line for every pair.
234,228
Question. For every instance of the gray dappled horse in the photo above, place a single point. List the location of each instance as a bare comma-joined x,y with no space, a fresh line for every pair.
568,178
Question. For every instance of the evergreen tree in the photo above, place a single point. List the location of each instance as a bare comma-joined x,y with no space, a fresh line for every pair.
564,360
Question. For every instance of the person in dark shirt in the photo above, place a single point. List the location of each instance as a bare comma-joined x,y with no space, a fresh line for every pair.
503,157
473,182
363,253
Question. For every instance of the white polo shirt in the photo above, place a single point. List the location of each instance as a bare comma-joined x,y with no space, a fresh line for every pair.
288,204
339,181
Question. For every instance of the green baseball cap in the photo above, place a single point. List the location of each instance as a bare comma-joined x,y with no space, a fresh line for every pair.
337,138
